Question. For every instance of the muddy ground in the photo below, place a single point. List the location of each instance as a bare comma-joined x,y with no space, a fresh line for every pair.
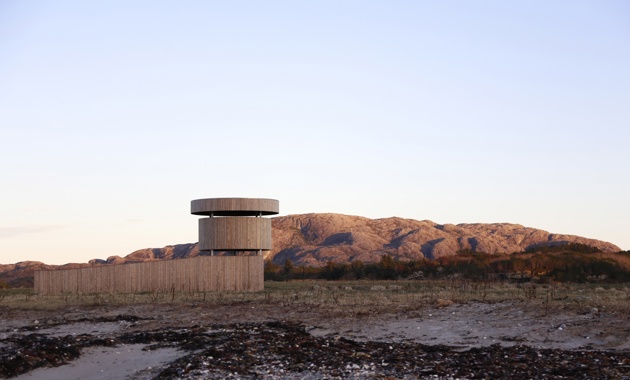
255,340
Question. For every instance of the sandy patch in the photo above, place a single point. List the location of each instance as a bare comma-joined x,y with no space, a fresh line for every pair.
481,325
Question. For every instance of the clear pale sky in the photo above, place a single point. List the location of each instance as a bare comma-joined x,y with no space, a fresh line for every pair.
114,115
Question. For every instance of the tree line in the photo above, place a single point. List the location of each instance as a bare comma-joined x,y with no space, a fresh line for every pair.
560,263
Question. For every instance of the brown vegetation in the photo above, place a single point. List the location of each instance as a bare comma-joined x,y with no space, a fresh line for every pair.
560,263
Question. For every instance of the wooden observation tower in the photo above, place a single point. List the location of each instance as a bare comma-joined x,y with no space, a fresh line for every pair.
235,224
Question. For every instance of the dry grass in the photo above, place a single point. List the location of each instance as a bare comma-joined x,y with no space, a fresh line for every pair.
356,298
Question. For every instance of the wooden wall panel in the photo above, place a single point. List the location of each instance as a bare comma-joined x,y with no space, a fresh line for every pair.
234,233
197,274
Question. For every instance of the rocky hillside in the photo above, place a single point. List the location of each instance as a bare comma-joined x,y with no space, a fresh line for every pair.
315,239
169,252
21,274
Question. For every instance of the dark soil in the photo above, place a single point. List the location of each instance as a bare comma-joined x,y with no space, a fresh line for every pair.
285,350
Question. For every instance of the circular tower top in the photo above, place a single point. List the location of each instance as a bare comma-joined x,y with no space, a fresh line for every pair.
234,206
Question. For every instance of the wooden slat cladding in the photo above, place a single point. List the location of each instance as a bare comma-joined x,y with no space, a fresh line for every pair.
234,206
234,233
197,274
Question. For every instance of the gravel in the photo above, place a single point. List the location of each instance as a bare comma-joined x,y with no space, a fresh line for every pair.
285,350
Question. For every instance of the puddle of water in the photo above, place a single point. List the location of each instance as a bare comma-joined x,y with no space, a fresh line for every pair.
108,363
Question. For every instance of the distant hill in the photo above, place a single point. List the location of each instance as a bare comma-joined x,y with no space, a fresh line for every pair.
21,274
315,239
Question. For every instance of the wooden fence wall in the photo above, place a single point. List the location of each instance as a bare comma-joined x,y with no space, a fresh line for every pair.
197,274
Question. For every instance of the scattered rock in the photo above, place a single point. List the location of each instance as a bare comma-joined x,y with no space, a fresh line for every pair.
443,302
284,350
255,348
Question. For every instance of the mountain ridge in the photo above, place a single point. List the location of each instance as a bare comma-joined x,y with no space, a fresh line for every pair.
315,239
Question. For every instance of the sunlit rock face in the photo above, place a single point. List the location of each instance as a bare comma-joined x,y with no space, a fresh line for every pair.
315,239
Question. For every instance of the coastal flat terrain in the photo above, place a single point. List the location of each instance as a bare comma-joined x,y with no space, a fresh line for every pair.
413,329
